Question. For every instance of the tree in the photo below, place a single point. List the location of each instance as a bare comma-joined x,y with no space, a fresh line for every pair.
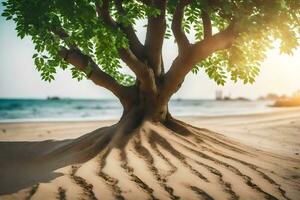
98,38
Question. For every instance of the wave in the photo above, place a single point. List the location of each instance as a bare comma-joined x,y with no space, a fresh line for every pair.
39,110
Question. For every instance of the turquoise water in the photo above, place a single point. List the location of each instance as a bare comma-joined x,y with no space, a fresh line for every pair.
74,109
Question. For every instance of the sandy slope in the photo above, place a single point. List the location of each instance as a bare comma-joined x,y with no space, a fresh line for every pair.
253,157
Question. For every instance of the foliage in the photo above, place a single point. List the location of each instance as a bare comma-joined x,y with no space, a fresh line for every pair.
259,22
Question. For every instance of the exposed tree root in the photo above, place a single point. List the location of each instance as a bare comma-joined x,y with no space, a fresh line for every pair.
157,139
87,188
227,186
146,155
112,182
177,126
129,170
253,167
32,191
167,150
201,193
154,147
61,194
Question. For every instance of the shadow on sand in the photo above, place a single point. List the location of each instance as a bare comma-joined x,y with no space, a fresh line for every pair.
19,167
26,163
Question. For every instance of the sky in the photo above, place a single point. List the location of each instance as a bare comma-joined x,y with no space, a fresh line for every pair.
279,74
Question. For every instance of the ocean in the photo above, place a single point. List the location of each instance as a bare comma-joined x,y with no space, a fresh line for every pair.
14,110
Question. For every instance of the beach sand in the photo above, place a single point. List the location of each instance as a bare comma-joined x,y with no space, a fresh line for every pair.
228,157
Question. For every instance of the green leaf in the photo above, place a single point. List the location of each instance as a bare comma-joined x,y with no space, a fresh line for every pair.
259,23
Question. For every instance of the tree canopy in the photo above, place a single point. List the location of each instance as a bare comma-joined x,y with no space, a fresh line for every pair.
230,37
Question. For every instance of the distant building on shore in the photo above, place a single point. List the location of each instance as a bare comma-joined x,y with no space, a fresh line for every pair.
221,97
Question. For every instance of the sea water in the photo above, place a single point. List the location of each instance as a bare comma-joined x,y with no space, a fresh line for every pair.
78,109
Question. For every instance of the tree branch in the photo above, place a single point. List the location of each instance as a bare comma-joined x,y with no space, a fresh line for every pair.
138,67
206,24
155,36
181,39
134,43
222,40
84,63
127,56
197,52
103,13
63,35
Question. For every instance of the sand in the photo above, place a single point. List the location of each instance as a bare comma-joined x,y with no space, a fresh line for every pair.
235,157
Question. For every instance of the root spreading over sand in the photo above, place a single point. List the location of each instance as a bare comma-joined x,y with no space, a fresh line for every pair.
153,161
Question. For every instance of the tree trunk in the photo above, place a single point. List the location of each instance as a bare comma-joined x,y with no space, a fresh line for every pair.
146,109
